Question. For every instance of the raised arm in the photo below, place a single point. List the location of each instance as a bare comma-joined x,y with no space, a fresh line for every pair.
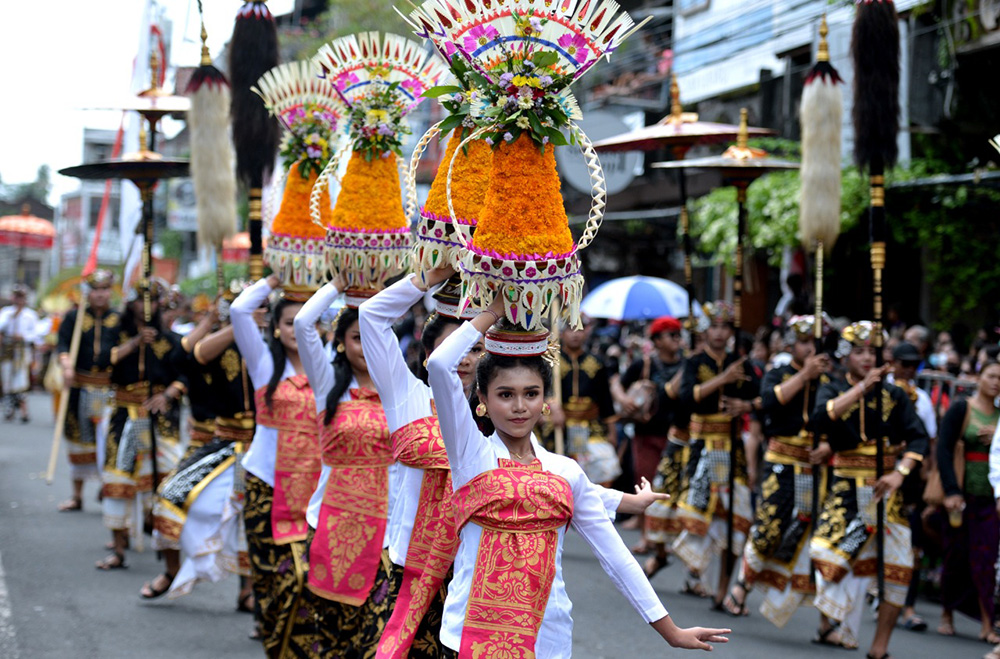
247,334
458,429
314,361
386,365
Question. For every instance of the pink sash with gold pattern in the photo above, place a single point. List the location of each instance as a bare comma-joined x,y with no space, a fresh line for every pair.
434,540
346,550
520,509
296,465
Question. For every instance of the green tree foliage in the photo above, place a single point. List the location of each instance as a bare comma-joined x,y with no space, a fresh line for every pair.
342,17
956,225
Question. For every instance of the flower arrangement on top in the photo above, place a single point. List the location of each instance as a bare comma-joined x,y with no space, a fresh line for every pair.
465,166
515,61
311,113
380,78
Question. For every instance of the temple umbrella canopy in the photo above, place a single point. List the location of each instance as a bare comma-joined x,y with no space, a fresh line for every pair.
26,230
678,130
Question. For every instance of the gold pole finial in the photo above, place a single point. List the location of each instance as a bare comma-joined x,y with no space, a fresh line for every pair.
154,68
823,53
744,135
206,57
675,99
143,138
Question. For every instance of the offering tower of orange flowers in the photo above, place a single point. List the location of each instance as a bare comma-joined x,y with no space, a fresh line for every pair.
310,111
518,60
380,78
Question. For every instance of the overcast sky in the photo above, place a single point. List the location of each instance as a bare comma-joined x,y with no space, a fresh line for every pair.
61,56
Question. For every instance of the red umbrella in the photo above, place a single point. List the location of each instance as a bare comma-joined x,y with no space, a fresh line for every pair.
26,230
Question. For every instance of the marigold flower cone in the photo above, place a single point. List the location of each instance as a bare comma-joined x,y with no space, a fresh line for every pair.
370,197
523,213
470,179
293,218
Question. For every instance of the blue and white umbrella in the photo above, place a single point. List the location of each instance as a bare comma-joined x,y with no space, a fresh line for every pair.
638,298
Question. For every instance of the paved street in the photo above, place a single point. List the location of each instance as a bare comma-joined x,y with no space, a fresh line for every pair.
53,603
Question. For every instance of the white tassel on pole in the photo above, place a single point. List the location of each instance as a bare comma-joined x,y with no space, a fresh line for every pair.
212,159
821,115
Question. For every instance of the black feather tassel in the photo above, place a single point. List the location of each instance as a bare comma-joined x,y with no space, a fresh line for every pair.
253,51
875,52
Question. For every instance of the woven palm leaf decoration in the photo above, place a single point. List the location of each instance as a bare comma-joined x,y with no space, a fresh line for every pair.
522,57
380,79
311,112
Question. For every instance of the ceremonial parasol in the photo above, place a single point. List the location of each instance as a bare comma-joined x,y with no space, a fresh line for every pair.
25,231
740,166
144,169
678,131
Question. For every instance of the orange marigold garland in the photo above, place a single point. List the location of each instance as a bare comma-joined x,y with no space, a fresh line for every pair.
310,112
515,62
380,78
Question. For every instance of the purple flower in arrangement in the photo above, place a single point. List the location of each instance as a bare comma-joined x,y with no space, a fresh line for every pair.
479,36
414,86
544,81
314,151
507,137
345,80
576,46
536,24
295,114
545,140
506,79
386,129
489,140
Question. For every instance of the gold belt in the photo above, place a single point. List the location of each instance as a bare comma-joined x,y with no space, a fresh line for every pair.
237,430
93,378
711,426
136,393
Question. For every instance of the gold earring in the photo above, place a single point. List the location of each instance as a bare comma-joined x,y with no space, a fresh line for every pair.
340,347
277,333
481,409
425,363
546,410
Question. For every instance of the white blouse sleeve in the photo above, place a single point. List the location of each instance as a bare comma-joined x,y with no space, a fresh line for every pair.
610,498
591,521
995,463
314,361
247,334
386,366
461,436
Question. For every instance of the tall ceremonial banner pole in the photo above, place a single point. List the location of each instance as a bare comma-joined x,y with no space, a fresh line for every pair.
819,197
875,53
212,155
736,430
74,350
253,50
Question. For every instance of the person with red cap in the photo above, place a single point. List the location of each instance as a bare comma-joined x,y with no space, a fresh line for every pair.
642,397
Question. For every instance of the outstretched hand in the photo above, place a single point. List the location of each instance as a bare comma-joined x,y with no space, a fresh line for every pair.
700,638
646,495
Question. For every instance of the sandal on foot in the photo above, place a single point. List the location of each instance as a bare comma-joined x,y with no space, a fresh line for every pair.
695,590
245,603
115,561
642,548
823,638
654,564
946,629
256,633
990,639
151,592
731,607
915,624
71,505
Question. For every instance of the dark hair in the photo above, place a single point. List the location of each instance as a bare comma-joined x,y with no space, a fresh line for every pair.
433,329
278,355
342,373
987,364
490,365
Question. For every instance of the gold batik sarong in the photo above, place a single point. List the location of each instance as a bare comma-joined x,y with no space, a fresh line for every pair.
520,509
434,540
